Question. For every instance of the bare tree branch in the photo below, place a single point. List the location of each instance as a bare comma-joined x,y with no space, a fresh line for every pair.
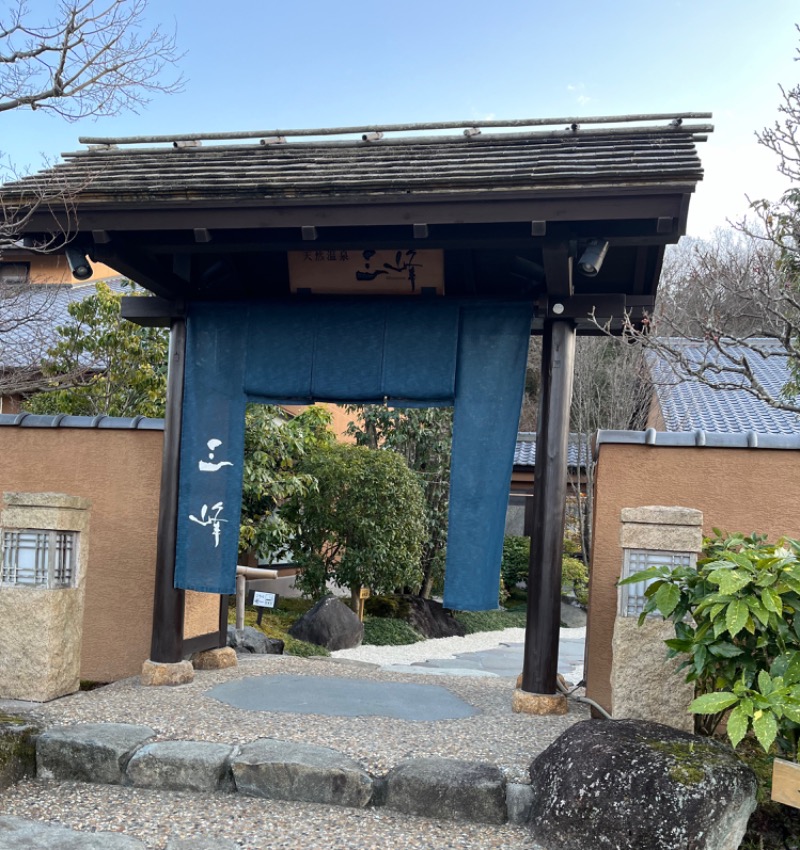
91,58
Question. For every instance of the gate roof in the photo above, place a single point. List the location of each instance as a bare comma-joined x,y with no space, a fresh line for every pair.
214,215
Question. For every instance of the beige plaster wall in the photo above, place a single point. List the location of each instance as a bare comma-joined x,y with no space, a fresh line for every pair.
201,615
119,472
736,489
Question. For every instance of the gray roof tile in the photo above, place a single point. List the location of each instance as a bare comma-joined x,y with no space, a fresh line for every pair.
525,451
689,405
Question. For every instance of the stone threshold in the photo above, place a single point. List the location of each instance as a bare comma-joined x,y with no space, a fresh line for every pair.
128,755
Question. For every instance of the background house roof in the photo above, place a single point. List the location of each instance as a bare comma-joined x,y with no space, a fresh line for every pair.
689,405
32,314
525,451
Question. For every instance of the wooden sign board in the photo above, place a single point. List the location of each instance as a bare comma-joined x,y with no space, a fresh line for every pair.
402,271
363,593
786,783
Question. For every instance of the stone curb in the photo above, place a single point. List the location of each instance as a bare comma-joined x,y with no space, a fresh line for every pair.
124,754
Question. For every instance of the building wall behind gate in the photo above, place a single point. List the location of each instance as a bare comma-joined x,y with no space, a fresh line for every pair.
119,471
737,489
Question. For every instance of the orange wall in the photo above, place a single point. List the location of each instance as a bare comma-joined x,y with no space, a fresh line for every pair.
119,471
53,268
736,489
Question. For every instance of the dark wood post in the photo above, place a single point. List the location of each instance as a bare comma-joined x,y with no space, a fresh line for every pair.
540,665
166,646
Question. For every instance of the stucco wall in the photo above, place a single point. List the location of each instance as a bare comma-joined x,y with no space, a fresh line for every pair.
119,472
736,489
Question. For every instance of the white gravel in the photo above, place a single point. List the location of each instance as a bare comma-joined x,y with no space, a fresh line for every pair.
442,647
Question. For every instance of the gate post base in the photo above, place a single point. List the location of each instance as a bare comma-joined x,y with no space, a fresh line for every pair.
158,673
523,702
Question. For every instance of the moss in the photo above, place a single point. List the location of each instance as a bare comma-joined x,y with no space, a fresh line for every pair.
689,759
17,749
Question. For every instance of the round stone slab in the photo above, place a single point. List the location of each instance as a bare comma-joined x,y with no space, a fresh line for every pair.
335,697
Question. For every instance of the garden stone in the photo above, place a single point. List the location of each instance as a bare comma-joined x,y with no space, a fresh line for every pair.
635,785
447,788
254,641
17,749
182,766
330,623
89,752
20,834
430,618
519,799
281,770
572,617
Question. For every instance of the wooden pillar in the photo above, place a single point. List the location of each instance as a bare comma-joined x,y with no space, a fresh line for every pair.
540,664
166,645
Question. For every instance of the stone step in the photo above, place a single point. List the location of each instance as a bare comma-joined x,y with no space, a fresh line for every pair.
125,754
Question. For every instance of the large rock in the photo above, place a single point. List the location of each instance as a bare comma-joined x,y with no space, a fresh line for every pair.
431,619
282,770
17,749
182,766
633,785
20,834
330,623
448,789
89,752
253,641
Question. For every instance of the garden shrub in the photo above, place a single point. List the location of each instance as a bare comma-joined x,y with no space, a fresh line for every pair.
383,631
737,628
514,567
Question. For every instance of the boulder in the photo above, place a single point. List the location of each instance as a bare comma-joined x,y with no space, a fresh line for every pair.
17,749
282,770
21,834
431,619
634,785
449,789
330,623
253,641
89,752
572,617
182,766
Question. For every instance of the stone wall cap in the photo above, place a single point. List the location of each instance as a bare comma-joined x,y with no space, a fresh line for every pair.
663,515
46,500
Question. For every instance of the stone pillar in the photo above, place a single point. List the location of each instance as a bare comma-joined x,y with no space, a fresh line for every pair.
644,684
44,545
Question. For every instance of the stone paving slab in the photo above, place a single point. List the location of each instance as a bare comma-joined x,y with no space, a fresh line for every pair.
335,697
21,834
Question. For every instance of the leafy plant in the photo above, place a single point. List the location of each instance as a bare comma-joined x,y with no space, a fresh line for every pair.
737,627
384,631
423,436
491,621
274,446
102,364
363,525
514,567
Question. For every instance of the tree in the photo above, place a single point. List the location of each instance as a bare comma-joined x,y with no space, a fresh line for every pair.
102,364
423,437
274,447
88,58
739,288
363,525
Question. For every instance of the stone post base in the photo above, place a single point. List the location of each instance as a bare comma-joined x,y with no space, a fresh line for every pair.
214,659
523,702
158,673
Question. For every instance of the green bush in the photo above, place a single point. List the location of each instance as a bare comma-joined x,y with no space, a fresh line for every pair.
490,621
387,606
381,631
514,567
737,628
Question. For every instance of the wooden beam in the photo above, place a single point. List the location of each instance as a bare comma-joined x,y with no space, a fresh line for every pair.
540,664
140,268
151,312
166,644
558,264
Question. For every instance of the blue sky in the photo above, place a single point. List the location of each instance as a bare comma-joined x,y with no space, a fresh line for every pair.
263,64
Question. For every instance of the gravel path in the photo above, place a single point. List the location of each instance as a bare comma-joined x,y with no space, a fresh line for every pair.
495,735
442,647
